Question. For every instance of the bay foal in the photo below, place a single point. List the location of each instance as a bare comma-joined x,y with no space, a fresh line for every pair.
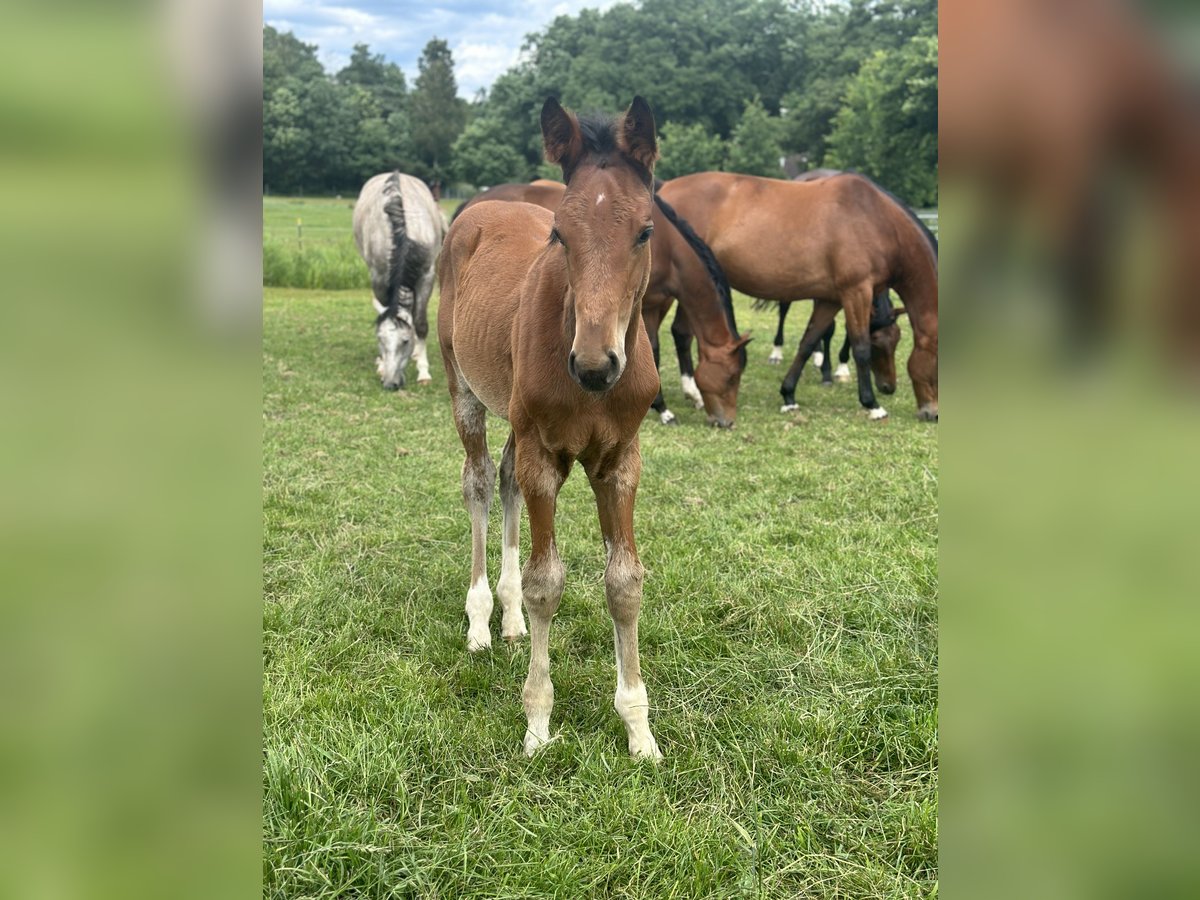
540,322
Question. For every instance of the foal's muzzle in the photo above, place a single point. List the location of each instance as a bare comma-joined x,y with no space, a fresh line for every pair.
595,378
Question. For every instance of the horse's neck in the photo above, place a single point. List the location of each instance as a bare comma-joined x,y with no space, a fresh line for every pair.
706,311
918,284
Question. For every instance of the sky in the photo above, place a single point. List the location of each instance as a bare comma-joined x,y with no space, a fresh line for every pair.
485,36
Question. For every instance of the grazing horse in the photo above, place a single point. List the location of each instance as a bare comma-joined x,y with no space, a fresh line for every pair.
819,357
847,240
399,228
682,266
540,323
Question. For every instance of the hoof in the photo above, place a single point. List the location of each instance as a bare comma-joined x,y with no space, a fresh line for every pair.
533,743
422,381
646,749
515,632
877,413
776,356
842,374
476,644
789,407
666,417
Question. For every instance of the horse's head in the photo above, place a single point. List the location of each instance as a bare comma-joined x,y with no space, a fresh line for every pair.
397,337
885,337
718,375
603,227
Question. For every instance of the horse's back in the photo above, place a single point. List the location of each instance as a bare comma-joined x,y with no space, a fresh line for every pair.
423,220
422,215
372,231
488,255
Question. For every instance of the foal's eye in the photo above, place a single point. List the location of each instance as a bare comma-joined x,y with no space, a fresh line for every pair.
645,235
556,238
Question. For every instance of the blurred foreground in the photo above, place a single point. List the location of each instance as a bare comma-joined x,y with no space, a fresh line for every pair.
1070,183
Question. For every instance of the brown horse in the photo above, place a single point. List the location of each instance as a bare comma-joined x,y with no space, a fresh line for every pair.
881,311
845,240
540,323
682,266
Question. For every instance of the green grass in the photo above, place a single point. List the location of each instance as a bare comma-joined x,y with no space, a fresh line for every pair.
308,243
788,636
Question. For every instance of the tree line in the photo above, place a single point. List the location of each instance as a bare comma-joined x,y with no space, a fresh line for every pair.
739,85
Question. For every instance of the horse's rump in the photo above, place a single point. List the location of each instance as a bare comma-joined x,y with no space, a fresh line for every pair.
487,266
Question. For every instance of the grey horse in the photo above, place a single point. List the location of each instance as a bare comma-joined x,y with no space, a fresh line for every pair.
399,228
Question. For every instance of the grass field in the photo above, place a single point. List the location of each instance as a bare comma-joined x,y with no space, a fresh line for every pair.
307,243
788,635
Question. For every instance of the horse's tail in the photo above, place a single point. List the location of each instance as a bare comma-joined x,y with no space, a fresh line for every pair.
408,259
715,273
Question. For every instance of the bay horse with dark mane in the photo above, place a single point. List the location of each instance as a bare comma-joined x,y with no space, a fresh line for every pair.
883,319
682,266
846,240
540,323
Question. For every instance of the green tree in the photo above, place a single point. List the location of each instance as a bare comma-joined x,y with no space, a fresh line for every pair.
754,148
436,114
837,43
688,148
483,158
888,126
383,79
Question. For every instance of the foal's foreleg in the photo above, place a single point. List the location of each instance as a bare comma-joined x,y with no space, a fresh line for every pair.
508,588
857,304
478,483
615,485
540,476
822,317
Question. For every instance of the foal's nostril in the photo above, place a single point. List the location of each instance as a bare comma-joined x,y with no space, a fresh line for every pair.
571,364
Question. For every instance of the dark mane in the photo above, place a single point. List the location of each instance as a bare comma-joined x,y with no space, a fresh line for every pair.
408,259
599,134
715,273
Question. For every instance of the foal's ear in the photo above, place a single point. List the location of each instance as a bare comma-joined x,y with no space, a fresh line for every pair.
638,137
560,136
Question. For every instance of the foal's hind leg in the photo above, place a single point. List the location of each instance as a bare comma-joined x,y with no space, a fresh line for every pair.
508,588
822,316
857,304
478,483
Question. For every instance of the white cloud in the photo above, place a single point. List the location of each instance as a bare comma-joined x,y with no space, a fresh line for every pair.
484,35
